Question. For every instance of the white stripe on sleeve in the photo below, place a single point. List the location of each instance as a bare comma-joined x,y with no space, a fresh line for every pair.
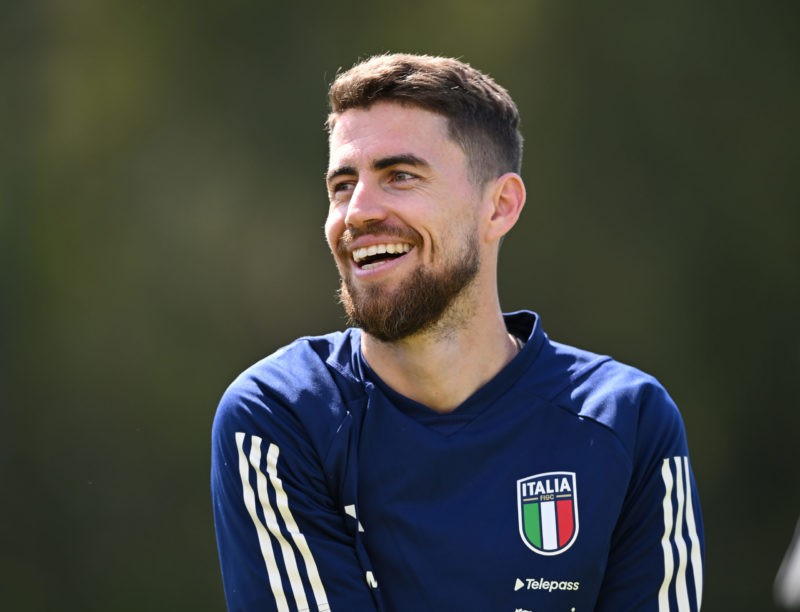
299,539
682,592
697,562
269,530
679,525
666,545
274,529
263,537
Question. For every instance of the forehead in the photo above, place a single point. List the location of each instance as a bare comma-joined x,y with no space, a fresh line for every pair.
388,128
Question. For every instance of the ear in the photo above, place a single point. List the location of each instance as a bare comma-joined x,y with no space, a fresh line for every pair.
507,197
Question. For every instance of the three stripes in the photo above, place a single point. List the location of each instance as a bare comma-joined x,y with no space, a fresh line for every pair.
269,529
677,483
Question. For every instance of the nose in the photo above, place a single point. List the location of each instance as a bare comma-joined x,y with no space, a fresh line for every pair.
365,206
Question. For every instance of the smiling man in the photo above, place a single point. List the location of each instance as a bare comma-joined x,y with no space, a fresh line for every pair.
439,454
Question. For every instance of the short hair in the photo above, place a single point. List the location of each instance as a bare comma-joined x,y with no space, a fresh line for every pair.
481,116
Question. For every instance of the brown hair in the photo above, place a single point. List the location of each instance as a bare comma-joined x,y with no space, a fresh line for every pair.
481,116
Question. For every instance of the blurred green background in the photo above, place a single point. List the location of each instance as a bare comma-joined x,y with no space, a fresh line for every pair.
161,212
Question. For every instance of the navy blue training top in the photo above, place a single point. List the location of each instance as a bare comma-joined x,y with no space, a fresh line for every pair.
562,484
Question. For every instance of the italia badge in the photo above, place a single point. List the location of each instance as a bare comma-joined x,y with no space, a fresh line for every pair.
547,506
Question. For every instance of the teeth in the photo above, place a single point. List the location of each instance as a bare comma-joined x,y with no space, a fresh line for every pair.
378,249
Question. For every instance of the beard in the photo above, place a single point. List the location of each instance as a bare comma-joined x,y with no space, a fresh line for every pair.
417,305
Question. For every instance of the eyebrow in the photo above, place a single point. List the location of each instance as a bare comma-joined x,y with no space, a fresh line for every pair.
341,170
407,159
382,163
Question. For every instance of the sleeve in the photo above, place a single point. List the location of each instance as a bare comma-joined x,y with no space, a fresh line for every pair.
282,540
657,549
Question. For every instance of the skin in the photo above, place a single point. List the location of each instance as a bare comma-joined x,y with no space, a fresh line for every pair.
395,165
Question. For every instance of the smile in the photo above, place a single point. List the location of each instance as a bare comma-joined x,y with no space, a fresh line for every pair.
376,254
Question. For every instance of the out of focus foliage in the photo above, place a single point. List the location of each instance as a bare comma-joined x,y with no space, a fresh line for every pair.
161,211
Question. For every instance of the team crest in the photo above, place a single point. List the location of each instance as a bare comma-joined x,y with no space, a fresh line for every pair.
547,506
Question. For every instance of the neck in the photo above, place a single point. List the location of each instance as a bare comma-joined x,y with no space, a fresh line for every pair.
442,367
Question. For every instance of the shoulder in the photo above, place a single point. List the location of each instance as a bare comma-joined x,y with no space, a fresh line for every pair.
293,372
630,402
306,386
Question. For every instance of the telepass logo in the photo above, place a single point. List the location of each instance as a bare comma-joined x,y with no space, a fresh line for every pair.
547,506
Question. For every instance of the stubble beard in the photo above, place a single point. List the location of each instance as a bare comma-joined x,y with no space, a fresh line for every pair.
417,305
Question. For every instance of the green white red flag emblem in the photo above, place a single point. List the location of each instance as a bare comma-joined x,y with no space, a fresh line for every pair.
547,505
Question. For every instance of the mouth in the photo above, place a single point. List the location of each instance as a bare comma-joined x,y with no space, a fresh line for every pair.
375,255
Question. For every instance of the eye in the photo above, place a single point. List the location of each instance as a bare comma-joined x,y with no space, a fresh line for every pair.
341,189
401,176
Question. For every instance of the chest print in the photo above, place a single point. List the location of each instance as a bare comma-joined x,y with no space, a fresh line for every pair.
547,510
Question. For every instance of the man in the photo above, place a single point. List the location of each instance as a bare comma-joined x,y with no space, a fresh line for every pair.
440,455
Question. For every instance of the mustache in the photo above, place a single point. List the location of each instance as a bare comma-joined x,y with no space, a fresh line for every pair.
351,234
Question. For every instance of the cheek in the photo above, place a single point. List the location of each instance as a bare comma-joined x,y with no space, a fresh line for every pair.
334,226
456,221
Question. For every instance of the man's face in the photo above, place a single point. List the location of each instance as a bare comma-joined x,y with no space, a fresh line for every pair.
402,223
